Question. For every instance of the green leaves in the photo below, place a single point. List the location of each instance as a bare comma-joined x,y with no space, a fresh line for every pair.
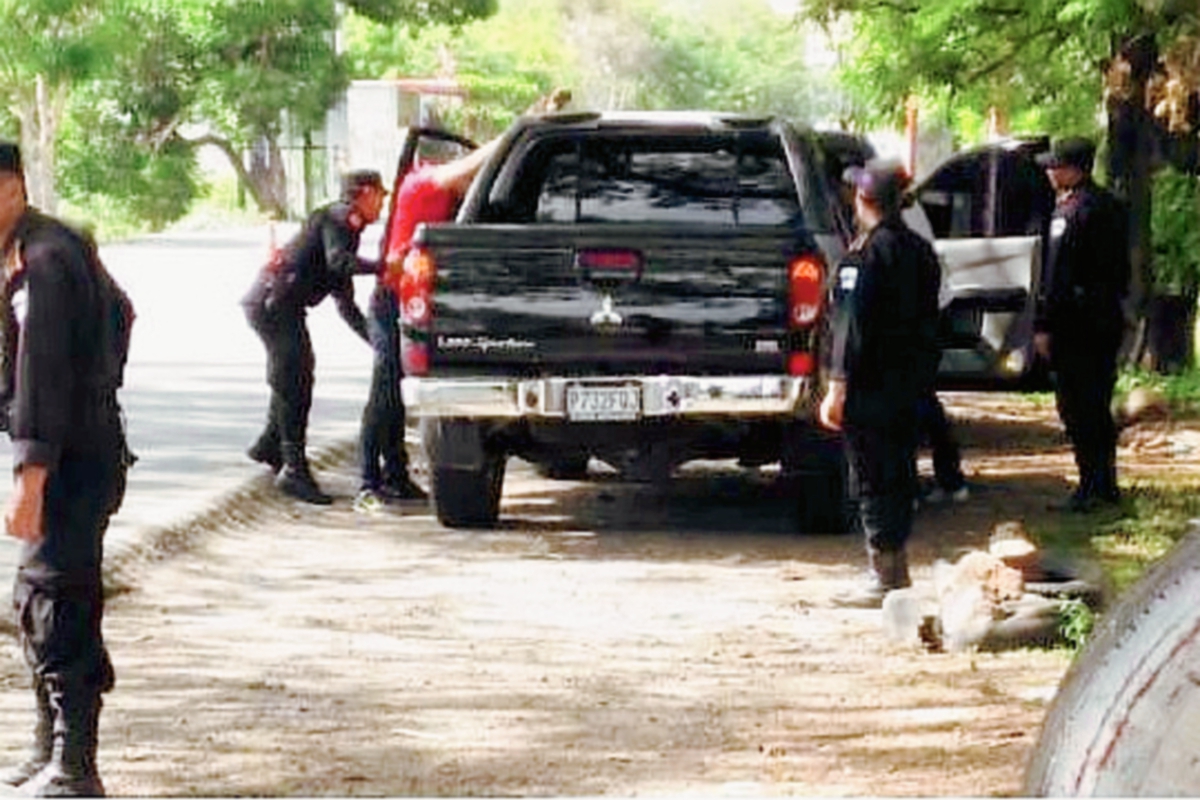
1037,61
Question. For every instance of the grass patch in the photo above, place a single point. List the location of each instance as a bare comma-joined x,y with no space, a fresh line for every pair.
1126,541
1182,391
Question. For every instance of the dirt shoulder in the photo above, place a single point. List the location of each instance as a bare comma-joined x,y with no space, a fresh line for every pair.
604,640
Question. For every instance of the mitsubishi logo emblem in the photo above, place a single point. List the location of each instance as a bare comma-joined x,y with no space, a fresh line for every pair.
606,316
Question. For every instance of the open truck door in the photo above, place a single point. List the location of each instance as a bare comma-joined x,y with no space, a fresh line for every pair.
421,146
990,209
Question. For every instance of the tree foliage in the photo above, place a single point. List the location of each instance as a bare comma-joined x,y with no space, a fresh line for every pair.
730,54
50,46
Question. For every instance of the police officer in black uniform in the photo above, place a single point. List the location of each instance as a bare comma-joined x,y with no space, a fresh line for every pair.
321,260
1080,322
66,336
884,359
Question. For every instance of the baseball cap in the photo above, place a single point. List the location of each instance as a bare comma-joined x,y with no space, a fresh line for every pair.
360,178
10,157
1070,152
881,181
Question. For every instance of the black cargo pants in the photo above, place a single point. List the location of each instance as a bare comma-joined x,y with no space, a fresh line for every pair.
382,437
883,478
58,594
1085,375
290,369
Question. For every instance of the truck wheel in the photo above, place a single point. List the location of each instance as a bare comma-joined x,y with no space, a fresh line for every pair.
569,467
1124,720
814,464
469,498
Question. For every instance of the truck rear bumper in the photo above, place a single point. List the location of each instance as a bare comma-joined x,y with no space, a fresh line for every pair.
608,399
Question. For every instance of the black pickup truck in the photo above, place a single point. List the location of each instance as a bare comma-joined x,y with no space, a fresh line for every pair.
640,288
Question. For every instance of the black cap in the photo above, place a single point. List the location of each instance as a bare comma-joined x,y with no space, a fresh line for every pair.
10,157
1071,152
881,182
361,178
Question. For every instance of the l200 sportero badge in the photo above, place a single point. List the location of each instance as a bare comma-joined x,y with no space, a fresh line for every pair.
484,344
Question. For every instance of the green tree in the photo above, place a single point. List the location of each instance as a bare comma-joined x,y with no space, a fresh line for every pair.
1045,65
667,54
50,47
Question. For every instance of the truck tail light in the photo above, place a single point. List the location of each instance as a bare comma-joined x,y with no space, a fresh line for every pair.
801,365
806,290
416,310
806,280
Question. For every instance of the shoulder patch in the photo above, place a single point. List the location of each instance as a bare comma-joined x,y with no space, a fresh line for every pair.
848,278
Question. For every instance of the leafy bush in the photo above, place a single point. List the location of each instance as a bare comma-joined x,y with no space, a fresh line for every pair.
1175,232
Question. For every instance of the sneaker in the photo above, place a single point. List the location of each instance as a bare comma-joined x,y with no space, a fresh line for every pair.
368,501
961,495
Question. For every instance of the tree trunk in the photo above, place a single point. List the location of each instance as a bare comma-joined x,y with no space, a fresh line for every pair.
258,186
1171,324
39,111
1132,143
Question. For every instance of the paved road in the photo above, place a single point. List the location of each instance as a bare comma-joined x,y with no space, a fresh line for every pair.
195,393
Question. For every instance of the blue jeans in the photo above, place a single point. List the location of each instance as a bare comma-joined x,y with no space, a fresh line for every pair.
384,459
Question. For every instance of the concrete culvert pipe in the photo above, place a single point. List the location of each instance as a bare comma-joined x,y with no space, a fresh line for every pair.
1124,721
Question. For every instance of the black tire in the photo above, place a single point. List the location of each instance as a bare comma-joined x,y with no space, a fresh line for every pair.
1124,720
571,467
468,498
813,465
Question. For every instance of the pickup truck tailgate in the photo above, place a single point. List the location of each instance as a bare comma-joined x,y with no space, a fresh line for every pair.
521,300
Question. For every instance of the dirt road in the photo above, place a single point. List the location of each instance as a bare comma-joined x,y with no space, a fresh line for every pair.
606,639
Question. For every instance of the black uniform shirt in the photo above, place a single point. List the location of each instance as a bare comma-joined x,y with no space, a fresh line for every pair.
1087,266
885,328
321,260
58,385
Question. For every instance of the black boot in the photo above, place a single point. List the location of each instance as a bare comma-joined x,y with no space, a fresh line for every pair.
295,479
401,488
43,741
71,771
267,451
886,570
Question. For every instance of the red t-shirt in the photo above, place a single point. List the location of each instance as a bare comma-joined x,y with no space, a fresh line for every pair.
419,200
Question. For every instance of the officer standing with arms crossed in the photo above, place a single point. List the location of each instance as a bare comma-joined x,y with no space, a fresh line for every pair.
321,260
1079,322
66,337
884,359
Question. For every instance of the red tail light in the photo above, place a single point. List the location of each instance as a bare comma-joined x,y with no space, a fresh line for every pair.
416,310
806,289
806,292
801,365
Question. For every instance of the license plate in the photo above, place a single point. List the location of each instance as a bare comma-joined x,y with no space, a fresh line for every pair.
603,403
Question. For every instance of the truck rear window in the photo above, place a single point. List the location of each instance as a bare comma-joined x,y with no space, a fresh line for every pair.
726,179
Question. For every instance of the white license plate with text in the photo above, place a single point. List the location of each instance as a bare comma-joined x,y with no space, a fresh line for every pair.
603,403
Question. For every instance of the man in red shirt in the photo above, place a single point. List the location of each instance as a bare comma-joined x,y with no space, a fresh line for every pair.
429,193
